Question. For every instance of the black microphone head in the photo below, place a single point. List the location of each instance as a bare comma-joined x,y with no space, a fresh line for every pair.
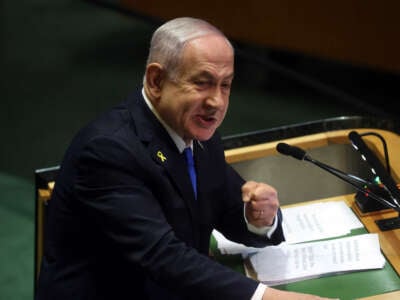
286,149
283,148
355,138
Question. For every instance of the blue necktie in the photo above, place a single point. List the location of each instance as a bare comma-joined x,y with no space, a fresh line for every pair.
192,171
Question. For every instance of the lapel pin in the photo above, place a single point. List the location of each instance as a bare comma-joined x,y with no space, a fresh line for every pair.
161,156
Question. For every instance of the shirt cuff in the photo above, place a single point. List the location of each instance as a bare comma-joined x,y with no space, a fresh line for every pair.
265,230
258,294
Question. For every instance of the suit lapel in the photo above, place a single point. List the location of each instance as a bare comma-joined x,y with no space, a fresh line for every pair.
175,166
162,149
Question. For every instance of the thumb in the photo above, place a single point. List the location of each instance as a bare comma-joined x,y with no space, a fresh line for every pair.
247,190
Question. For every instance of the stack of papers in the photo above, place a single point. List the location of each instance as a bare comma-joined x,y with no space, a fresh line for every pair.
317,221
317,244
226,246
294,262
304,223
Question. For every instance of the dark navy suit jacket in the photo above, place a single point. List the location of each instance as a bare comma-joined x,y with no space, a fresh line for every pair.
123,222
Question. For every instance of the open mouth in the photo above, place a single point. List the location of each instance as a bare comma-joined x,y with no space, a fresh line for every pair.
206,121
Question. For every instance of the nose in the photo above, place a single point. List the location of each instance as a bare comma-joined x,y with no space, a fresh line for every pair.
216,99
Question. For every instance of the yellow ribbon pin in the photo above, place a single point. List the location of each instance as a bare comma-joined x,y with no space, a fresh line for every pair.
161,156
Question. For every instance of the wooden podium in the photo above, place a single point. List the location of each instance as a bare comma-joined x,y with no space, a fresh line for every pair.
390,240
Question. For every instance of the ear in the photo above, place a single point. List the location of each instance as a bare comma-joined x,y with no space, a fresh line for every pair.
155,75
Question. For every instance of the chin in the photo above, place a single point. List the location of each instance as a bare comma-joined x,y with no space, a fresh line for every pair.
204,136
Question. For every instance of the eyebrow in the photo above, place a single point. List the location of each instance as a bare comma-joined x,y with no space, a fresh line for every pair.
209,75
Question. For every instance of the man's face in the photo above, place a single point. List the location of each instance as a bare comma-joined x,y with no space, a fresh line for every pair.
195,104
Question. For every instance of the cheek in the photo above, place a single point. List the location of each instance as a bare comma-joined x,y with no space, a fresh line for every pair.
184,115
224,109
226,105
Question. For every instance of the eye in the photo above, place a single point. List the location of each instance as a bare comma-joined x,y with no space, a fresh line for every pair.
202,83
226,85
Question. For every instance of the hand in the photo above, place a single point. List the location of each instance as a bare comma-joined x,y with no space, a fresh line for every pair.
261,203
274,294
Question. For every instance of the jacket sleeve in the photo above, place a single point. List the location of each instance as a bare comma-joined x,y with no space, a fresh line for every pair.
231,221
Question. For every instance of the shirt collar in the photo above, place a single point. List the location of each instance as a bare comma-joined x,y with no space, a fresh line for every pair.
179,142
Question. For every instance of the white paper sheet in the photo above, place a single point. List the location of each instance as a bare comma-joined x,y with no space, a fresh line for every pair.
304,223
317,221
293,262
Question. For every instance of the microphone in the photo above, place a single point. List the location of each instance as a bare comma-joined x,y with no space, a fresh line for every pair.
296,152
376,166
361,185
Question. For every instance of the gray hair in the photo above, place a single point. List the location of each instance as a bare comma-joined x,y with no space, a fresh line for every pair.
169,40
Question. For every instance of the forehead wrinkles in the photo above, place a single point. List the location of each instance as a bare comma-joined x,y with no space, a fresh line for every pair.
207,58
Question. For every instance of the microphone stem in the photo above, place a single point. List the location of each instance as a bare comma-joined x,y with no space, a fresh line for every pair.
351,179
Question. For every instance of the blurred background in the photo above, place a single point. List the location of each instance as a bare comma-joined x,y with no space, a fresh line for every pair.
63,62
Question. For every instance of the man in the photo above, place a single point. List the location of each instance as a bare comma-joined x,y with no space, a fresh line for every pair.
125,221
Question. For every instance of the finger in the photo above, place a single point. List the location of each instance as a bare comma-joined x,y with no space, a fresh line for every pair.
246,197
256,214
264,193
260,214
248,190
